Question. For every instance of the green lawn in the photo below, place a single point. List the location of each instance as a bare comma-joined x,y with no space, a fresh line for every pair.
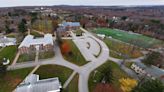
26,57
43,26
9,53
13,78
139,40
76,58
50,71
46,55
73,85
120,47
117,73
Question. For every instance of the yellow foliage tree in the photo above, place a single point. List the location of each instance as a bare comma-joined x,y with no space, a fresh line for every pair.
127,84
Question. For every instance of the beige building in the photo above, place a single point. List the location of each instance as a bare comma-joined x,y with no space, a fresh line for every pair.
31,44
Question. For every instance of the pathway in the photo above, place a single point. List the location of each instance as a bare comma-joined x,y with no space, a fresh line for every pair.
16,58
83,71
69,79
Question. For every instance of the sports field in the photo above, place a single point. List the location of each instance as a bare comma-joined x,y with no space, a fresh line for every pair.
129,37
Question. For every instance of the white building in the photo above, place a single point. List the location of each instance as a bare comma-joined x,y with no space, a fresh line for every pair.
33,84
32,44
5,41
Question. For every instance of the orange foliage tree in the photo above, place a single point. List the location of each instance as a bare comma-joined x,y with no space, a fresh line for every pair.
65,48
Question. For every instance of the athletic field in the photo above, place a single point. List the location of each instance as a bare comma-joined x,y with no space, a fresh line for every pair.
129,37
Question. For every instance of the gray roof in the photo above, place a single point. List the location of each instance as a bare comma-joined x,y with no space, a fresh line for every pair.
76,24
35,85
154,71
6,40
29,40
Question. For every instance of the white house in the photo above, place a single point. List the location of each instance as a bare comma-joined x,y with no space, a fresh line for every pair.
149,72
6,41
33,84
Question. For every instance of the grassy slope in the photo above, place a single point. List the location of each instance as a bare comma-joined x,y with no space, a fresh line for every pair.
73,85
77,57
50,71
46,55
8,52
122,48
142,41
13,78
26,57
42,26
117,73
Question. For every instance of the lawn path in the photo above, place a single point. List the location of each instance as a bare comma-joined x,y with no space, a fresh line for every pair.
69,79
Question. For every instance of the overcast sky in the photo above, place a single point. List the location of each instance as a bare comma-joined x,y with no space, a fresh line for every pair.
9,3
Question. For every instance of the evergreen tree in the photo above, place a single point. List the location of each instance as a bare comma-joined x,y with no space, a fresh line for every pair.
106,75
22,26
149,86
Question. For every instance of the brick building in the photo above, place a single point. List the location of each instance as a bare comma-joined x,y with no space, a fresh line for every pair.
31,44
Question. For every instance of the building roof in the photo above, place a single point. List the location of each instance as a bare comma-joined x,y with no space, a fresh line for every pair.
154,71
7,40
29,40
75,24
33,84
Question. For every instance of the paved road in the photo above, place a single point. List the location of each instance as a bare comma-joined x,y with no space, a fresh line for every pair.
85,70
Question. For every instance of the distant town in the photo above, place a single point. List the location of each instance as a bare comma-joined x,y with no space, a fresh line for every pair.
82,49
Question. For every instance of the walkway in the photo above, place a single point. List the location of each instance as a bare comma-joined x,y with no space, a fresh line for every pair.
83,71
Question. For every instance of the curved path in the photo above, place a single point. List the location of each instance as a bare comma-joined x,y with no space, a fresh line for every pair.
84,71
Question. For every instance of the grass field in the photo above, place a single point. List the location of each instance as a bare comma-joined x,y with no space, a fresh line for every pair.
76,57
120,47
26,57
13,78
73,85
117,74
50,71
46,55
8,53
43,26
136,39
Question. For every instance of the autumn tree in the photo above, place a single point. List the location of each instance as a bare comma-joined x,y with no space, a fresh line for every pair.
65,48
106,75
101,87
152,58
7,29
55,24
127,84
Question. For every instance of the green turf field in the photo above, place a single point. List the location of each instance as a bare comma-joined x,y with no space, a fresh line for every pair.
136,39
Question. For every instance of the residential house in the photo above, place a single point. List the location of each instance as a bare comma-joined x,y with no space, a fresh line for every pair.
65,27
30,44
148,72
33,84
6,41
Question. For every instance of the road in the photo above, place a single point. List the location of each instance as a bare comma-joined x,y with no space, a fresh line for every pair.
83,71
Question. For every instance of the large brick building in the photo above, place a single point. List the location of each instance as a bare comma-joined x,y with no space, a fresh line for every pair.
29,44
65,27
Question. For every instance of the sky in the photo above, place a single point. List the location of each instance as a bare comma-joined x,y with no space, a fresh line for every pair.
10,3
